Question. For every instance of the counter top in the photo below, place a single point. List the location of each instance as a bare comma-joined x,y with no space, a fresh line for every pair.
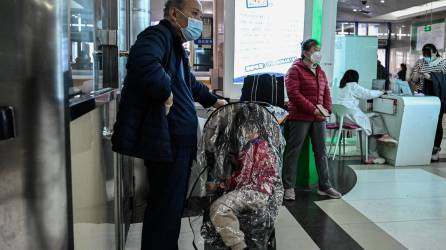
82,104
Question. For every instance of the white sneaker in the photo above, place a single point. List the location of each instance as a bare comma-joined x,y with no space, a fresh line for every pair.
377,160
436,156
331,192
387,139
289,194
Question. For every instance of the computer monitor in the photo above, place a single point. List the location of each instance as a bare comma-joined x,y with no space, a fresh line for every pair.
378,84
203,59
403,88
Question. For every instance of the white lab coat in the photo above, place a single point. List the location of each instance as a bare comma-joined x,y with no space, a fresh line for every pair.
349,96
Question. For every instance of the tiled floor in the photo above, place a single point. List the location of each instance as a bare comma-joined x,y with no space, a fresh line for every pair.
289,234
90,236
388,208
394,208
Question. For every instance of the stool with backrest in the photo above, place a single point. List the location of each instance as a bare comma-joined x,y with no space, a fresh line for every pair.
341,127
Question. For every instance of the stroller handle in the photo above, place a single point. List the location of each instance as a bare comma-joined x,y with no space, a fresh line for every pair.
214,92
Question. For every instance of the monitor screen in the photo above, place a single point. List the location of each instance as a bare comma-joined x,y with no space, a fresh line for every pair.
267,36
203,59
378,84
403,88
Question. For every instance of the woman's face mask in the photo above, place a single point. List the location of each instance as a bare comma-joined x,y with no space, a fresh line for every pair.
316,57
193,29
428,59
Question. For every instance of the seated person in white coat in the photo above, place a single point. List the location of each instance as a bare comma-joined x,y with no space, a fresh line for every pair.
373,124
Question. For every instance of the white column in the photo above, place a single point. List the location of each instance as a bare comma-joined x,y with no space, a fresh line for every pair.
328,37
308,23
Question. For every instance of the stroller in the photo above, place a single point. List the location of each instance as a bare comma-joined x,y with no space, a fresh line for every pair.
214,162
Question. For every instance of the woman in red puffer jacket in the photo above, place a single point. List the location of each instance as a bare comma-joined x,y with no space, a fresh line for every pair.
309,104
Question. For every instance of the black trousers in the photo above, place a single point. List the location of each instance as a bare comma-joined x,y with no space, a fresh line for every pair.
439,133
167,192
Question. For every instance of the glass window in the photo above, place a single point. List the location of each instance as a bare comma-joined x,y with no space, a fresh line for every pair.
378,29
382,56
82,53
123,41
362,29
343,28
373,29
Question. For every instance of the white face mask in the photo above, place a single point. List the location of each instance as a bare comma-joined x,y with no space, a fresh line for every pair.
316,57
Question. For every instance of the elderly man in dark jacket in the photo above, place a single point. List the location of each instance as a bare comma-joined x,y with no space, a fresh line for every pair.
157,120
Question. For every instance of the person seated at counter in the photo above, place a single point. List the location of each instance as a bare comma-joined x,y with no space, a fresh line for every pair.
373,124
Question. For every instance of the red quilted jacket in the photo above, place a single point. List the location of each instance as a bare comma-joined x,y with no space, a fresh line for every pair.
306,90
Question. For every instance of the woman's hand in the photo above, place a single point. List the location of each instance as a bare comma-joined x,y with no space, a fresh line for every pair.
321,111
416,77
212,186
168,103
318,113
427,76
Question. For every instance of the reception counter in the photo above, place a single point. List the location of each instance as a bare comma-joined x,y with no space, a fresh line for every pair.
412,120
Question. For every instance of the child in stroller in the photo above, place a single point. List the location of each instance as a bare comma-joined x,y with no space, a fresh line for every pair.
250,187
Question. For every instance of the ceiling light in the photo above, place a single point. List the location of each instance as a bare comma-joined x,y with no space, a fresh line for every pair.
367,6
382,1
413,11
355,10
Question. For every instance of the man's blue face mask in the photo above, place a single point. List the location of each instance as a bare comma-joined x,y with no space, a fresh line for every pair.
193,29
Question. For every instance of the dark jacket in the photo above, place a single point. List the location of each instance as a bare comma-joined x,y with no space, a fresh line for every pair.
402,75
436,87
306,90
380,71
157,66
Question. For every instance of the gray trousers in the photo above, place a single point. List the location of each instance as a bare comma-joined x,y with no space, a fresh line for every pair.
297,132
378,128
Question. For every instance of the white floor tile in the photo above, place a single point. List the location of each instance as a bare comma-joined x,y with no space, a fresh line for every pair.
134,237
400,176
286,219
89,236
418,235
407,204
342,212
186,224
402,209
388,190
369,236
360,228
396,184
290,234
185,241
293,238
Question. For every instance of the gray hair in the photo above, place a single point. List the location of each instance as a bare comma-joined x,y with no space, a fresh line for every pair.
179,4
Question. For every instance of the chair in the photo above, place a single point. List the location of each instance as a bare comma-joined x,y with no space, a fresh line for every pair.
340,126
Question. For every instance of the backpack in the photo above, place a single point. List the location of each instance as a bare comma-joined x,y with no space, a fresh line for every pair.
264,88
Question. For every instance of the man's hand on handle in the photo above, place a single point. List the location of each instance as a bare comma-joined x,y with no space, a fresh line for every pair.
220,103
